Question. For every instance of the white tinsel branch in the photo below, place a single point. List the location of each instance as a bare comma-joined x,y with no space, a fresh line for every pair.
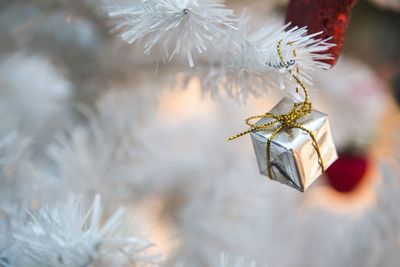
70,235
252,63
238,62
174,24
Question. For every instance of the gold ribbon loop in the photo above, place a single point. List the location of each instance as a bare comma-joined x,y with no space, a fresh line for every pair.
286,121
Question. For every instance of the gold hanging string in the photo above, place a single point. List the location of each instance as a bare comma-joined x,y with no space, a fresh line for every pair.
286,121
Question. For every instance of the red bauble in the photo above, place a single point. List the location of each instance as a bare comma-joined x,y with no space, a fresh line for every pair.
347,172
330,16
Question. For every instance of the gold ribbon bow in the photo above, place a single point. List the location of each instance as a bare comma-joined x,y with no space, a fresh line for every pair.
286,121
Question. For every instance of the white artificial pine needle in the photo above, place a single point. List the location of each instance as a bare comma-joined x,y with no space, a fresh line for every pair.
170,25
253,62
242,63
67,235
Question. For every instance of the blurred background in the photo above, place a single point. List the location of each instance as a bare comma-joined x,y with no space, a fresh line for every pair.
89,114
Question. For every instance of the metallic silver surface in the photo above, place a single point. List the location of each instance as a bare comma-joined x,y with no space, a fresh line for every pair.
294,159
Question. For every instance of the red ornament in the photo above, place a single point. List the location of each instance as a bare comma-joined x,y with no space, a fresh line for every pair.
330,16
347,172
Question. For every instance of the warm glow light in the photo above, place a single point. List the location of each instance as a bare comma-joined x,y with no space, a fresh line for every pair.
363,197
352,203
178,105
156,227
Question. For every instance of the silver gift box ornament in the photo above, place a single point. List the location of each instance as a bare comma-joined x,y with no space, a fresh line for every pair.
293,157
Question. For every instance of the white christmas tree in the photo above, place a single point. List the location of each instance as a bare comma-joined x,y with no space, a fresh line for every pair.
84,115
